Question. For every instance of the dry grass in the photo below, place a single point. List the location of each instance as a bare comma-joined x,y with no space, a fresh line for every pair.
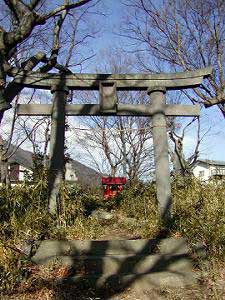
198,214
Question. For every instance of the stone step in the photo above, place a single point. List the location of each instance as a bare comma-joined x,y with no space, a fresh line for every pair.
141,282
51,248
145,263
125,264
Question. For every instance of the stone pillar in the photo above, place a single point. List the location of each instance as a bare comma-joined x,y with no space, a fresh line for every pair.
56,156
163,186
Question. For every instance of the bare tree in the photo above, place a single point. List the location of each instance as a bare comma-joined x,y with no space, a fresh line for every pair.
181,35
37,36
178,36
37,133
123,143
118,145
7,150
181,165
21,23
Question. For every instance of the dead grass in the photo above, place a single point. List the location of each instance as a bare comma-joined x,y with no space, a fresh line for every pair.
198,214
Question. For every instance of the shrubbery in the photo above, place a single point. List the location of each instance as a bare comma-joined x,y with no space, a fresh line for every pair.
198,214
198,211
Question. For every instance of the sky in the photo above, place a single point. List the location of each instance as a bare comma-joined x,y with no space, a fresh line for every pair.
212,121
213,144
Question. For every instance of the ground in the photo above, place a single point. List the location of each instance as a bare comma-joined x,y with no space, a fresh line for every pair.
43,287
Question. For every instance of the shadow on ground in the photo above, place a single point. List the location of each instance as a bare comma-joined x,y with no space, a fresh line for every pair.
104,269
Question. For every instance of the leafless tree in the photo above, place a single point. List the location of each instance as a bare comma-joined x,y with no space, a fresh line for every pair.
7,150
181,35
116,145
37,35
34,25
184,165
123,144
178,36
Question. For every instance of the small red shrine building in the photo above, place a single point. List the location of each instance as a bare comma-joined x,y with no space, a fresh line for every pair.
112,186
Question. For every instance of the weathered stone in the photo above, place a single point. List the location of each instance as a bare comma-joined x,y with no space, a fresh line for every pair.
102,214
145,263
49,249
130,221
144,282
121,110
108,97
161,156
56,168
111,262
126,264
124,81
199,249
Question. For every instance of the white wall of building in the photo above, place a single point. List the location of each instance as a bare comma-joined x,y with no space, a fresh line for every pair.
70,174
23,172
202,172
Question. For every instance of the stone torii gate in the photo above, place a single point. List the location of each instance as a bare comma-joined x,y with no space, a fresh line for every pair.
155,85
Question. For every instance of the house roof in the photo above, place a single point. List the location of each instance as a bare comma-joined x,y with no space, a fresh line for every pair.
212,162
21,157
85,174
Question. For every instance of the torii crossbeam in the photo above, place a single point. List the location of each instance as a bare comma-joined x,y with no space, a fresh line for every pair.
155,85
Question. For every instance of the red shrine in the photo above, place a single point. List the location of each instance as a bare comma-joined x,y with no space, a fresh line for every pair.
112,186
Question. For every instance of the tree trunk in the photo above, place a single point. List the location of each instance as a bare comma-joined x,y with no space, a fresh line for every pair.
113,171
4,172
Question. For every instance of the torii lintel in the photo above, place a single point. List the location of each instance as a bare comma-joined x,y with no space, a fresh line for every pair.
77,81
121,110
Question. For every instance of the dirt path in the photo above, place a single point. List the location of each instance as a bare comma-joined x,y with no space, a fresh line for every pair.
115,229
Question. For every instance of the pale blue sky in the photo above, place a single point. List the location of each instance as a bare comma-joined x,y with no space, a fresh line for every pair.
213,145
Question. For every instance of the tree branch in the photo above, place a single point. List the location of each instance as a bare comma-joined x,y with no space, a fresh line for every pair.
33,4
66,7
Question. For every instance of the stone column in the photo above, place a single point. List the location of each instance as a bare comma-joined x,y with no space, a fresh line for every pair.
56,156
163,186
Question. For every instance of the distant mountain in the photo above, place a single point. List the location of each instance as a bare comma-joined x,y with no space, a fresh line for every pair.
85,175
